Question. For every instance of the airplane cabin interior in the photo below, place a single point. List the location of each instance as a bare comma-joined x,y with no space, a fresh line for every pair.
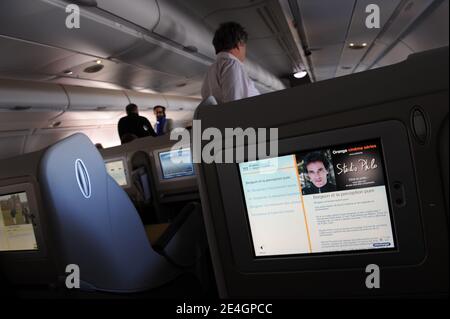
85,215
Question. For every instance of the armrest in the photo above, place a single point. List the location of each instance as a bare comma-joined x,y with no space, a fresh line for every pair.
154,231
182,241
175,225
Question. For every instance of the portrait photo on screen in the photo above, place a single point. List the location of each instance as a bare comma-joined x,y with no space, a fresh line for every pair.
316,172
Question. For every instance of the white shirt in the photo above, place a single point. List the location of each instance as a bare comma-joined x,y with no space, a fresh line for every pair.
227,80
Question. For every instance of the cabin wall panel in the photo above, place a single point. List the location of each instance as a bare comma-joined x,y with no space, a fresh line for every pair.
11,143
25,120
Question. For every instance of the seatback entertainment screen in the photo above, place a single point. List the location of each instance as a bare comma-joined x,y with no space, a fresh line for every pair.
16,227
324,200
116,170
176,163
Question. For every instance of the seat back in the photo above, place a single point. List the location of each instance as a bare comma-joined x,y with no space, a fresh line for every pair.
141,181
94,223
149,206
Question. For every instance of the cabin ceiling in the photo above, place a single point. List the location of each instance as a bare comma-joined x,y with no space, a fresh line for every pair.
327,27
162,46
147,44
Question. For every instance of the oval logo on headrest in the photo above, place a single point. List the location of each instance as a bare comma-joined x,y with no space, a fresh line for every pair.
82,176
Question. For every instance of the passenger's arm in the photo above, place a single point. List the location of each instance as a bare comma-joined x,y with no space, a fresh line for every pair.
151,131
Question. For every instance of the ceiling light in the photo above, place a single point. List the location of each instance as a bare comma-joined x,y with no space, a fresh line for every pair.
357,46
301,74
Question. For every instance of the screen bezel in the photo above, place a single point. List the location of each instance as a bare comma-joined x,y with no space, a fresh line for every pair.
29,189
406,221
125,167
159,168
350,251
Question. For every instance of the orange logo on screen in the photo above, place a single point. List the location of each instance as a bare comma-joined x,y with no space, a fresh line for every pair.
361,148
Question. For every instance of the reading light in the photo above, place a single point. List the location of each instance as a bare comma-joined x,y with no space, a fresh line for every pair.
68,72
98,61
357,46
301,74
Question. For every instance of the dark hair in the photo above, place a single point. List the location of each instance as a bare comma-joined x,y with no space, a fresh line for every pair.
159,106
228,36
316,157
131,108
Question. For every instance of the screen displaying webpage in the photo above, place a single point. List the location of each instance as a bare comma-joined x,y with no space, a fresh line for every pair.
16,228
116,170
325,200
176,163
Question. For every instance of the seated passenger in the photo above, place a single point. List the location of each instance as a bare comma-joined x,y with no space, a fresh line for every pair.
134,124
317,167
227,79
163,125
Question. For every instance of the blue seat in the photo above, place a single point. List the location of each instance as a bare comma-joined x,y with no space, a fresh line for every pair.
94,224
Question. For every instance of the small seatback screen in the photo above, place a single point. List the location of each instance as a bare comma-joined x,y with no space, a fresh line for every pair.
16,227
318,201
116,170
176,163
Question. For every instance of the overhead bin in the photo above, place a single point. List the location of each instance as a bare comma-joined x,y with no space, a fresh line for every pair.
144,13
164,57
84,98
177,44
44,22
146,100
180,25
24,95
178,103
